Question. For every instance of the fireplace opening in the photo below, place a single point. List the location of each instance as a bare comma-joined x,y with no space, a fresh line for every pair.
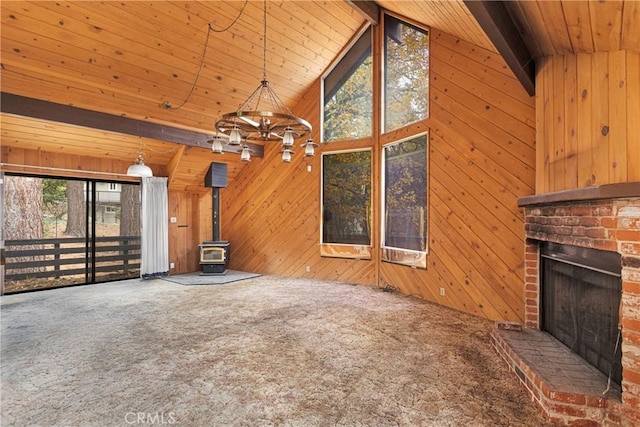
580,302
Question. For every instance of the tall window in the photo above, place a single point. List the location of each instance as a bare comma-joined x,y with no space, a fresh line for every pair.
346,203
406,73
405,202
348,94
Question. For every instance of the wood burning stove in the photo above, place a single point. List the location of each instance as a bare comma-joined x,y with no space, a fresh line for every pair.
214,255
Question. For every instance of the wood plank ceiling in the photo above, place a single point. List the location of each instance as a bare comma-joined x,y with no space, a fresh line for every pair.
132,59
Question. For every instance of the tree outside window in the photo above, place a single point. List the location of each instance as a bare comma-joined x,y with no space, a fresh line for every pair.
406,79
346,197
405,194
348,94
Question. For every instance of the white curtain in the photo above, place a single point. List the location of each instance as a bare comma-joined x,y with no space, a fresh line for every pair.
155,228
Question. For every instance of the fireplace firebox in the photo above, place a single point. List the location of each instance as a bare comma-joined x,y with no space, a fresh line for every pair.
580,303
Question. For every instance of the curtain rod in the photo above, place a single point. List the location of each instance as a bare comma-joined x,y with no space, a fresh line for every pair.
75,171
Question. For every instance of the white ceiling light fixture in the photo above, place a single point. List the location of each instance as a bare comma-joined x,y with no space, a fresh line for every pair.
245,153
216,144
272,122
139,168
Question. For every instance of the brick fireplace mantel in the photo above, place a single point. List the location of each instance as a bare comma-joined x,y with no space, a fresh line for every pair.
606,218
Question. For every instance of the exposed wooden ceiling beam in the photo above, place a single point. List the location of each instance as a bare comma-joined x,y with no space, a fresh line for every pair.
368,9
495,20
172,167
31,107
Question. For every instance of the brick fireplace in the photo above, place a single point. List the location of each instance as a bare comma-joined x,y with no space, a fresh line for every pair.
566,389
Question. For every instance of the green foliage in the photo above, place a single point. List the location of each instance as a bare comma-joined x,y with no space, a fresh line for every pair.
346,197
54,190
406,77
54,197
348,114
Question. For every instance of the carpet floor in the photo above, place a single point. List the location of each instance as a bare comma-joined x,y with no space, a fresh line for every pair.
262,351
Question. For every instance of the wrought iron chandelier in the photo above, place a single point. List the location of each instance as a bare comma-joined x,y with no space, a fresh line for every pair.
271,121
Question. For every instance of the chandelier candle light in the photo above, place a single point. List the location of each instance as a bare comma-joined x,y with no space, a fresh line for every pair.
251,122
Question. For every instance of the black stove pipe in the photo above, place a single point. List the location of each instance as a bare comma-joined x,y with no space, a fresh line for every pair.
216,178
215,216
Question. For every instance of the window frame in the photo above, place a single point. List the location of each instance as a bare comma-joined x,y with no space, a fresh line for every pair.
346,250
383,71
367,26
402,256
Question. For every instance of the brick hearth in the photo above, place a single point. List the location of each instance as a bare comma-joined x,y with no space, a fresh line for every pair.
605,218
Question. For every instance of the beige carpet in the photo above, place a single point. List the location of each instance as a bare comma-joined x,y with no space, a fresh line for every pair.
263,351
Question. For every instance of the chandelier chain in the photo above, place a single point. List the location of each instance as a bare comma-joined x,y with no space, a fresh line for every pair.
210,30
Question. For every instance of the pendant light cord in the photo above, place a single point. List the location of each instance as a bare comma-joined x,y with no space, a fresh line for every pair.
264,43
167,105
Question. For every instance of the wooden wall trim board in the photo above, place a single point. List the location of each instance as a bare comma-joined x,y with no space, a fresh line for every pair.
618,116
621,190
583,127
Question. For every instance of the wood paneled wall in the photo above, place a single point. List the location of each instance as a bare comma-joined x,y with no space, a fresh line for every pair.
482,159
588,120
193,214
271,216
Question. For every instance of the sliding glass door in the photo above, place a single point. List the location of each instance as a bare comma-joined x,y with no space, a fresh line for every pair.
63,232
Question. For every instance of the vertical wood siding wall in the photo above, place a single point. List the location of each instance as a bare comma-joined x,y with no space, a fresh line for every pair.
588,120
193,226
482,159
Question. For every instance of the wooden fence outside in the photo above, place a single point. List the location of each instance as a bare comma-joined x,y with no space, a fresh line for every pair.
54,258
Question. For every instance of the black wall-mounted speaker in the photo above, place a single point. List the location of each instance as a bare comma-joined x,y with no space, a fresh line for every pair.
216,175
